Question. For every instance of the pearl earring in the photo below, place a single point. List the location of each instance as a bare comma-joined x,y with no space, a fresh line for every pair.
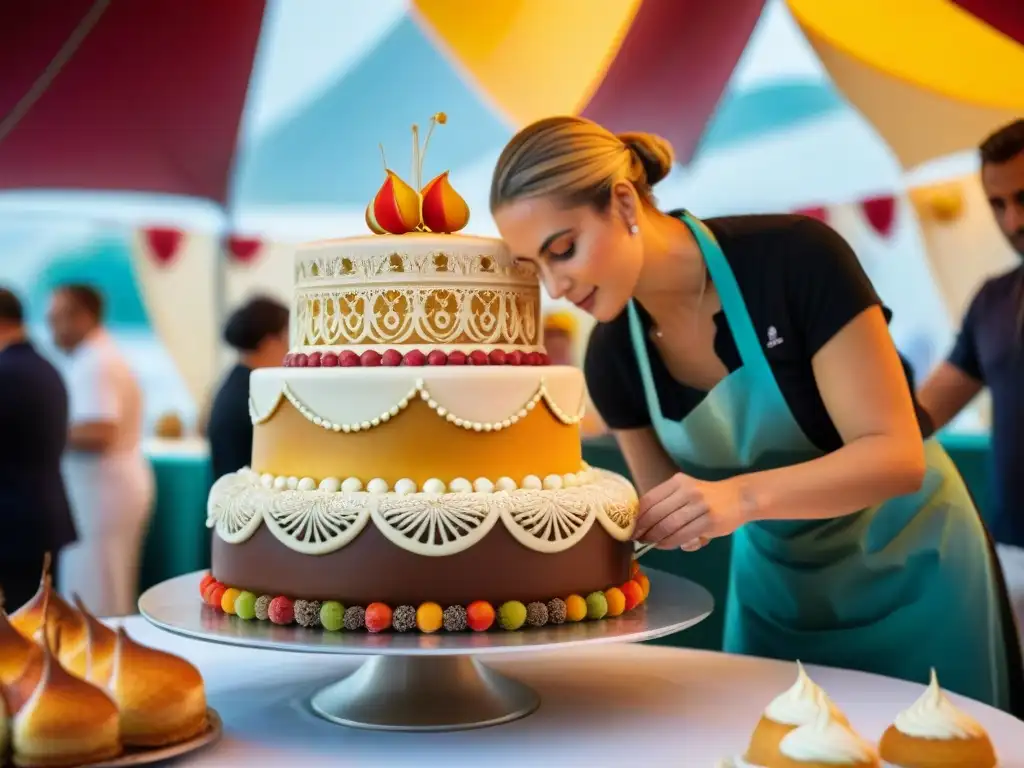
634,229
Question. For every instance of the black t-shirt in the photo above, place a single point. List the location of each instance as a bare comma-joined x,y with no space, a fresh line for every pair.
230,428
801,282
990,348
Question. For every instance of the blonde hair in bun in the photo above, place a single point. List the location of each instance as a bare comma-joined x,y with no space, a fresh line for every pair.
577,162
654,153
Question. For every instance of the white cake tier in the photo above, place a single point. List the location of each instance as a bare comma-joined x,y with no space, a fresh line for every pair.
420,291
435,524
482,399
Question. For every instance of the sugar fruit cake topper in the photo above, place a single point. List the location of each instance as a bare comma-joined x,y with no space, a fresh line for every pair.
398,208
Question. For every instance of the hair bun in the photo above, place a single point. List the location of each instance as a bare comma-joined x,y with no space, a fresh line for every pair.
654,152
251,323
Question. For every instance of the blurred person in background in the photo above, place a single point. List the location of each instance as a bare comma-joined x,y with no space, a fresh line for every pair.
34,514
989,352
561,335
561,330
109,479
746,367
258,332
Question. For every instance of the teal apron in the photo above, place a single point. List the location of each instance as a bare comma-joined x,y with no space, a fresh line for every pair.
894,590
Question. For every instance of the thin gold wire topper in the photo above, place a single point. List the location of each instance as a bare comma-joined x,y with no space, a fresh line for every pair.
398,208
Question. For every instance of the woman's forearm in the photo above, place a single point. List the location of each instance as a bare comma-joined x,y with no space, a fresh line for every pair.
869,470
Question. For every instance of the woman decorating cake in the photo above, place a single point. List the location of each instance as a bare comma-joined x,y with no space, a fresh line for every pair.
746,369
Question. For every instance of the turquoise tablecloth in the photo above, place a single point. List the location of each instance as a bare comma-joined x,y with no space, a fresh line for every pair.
179,542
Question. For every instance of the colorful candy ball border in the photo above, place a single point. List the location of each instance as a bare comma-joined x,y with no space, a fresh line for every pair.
428,617
371,358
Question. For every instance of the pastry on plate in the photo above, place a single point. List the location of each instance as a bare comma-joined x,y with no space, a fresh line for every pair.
934,733
16,652
797,706
4,726
827,742
61,618
161,697
21,687
96,660
64,722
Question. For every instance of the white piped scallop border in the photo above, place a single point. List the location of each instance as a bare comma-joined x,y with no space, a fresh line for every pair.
433,524
420,390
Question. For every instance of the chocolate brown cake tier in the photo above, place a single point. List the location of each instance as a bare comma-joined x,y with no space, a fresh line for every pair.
372,569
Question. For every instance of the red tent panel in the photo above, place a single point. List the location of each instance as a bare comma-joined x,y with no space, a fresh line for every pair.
151,101
1007,16
672,69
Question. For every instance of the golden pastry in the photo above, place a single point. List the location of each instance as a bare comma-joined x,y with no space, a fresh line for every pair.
21,688
161,697
63,618
95,661
170,427
793,708
16,651
934,733
4,726
825,743
64,722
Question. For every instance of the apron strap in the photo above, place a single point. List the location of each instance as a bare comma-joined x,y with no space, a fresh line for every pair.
639,339
735,308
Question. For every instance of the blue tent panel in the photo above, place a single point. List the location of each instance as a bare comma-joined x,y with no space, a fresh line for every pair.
750,114
404,80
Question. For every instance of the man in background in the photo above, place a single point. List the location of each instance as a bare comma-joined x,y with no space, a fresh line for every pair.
34,514
109,479
989,352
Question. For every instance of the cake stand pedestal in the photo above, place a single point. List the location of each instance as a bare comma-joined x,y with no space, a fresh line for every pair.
420,682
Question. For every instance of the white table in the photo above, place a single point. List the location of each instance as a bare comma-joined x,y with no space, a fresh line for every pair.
619,705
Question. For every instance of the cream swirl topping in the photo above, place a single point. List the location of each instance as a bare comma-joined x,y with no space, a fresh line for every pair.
827,740
799,705
736,762
934,716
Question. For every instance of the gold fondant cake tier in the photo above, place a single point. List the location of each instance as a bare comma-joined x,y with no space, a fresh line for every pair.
417,290
416,424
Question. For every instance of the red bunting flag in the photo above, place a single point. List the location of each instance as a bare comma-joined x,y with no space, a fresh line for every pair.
880,213
163,243
817,212
244,250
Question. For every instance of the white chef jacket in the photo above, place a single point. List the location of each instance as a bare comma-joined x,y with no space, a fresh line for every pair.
111,493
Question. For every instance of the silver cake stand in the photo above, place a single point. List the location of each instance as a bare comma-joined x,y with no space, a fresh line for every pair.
419,682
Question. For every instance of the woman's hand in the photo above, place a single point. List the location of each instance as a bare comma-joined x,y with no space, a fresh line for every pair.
687,513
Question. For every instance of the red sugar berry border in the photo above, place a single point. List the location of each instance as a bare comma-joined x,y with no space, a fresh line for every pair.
371,358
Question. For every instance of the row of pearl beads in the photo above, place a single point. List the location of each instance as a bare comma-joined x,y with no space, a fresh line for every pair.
479,426
420,388
361,426
560,414
406,486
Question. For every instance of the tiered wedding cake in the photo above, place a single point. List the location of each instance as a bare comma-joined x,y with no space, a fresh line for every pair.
417,461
